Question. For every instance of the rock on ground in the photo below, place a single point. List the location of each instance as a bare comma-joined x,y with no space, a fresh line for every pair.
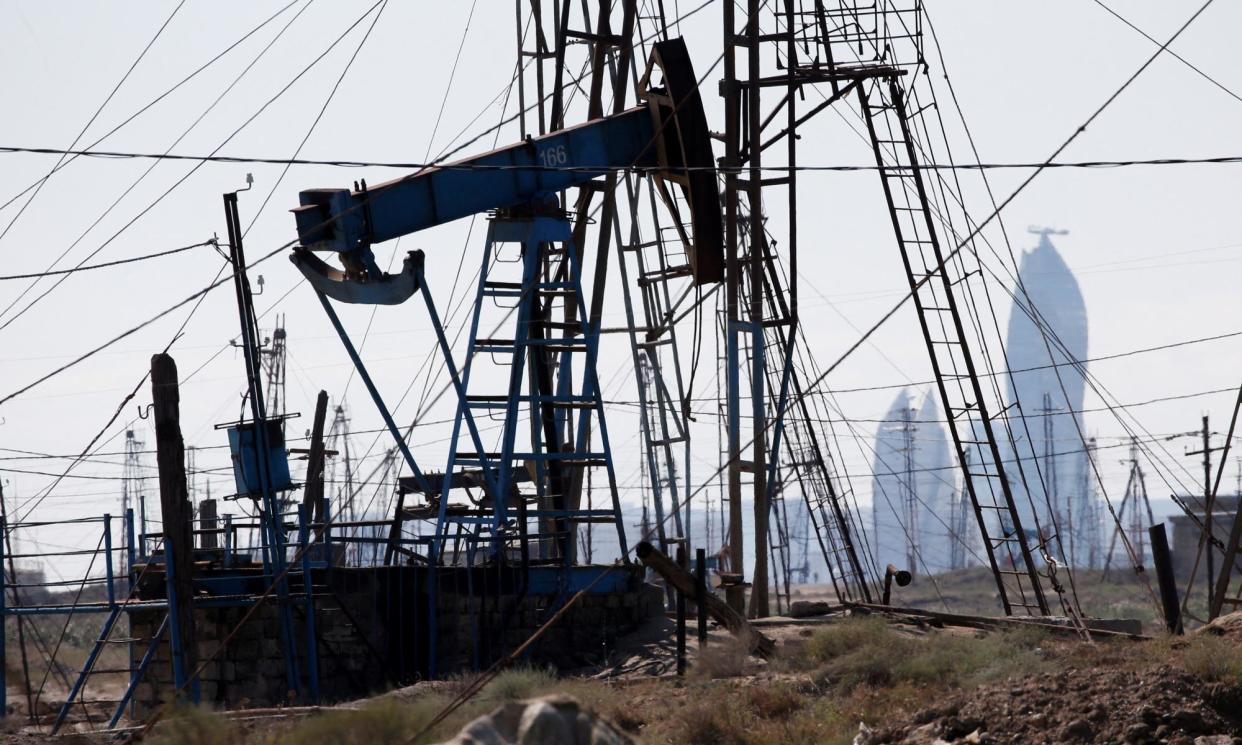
550,720
1228,625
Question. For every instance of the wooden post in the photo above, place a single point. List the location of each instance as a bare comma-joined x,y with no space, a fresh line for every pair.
208,524
312,495
683,581
176,512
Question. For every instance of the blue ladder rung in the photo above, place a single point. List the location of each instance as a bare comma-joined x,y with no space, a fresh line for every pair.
561,456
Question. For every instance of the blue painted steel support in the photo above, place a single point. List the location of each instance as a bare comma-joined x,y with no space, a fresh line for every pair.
87,666
137,674
178,651
532,237
131,551
228,541
591,389
107,540
4,616
312,634
402,445
460,382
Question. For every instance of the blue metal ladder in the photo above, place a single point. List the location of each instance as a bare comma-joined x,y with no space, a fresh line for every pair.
539,348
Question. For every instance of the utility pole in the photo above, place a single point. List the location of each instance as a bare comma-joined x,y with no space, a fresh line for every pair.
1052,492
176,514
1088,522
757,245
132,489
312,497
1135,500
735,594
909,493
1206,434
21,626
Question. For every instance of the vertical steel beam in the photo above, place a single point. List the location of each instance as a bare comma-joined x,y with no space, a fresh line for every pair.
272,524
734,595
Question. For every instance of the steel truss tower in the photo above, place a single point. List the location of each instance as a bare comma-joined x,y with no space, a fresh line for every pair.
597,49
868,53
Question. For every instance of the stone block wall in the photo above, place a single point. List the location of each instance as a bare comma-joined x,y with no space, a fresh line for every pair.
475,631
390,641
250,670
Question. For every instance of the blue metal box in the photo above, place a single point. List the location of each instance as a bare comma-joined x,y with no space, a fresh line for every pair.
246,468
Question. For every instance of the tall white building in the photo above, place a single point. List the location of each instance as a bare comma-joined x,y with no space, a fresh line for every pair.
912,488
1048,465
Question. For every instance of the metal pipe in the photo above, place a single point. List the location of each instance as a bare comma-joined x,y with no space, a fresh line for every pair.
1164,576
891,573
681,617
700,593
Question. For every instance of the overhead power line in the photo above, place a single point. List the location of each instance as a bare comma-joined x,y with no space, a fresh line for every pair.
342,163
1170,52
139,327
118,262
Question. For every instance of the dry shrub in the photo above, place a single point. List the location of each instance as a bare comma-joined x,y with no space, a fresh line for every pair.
195,725
848,637
774,701
518,683
710,723
629,719
727,659
868,652
385,721
1213,658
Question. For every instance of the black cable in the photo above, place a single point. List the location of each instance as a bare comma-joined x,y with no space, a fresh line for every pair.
414,165
38,499
153,102
159,32
1171,53
210,107
1034,313
125,334
118,262
226,140
1007,201
322,110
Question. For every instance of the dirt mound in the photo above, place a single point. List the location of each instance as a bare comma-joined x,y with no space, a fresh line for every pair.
1160,705
1228,625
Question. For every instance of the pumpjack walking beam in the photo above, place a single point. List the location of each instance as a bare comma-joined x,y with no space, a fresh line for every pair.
522,182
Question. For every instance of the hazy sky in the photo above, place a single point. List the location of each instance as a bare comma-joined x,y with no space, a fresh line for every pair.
1156,249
